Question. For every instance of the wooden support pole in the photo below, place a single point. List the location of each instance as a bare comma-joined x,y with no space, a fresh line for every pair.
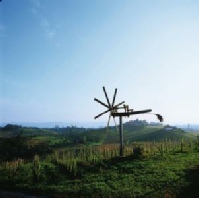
121,138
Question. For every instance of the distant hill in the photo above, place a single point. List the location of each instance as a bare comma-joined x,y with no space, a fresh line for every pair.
147,133
14,130
101,135
60,124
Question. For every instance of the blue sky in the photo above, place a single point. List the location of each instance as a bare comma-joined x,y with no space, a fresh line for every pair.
57,55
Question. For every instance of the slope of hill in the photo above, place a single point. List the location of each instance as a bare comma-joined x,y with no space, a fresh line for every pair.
148,133
80,135
25,131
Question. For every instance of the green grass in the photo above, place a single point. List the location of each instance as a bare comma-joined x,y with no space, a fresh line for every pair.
169,174
166,167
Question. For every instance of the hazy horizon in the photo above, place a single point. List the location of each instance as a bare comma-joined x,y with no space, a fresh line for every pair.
93,124
56,56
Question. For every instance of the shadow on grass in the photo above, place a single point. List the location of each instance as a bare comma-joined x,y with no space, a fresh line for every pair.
192,189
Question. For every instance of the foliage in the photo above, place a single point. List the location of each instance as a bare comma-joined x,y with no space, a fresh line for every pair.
11,148
11,127
73,165
21,147
149,169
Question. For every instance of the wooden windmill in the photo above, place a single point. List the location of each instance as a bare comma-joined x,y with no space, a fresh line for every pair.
113,109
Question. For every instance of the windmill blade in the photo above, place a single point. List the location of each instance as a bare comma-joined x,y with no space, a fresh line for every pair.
118,104
101,102
106,97
114,97
108,122
102,113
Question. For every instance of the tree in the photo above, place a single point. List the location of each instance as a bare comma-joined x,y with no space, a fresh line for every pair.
12,127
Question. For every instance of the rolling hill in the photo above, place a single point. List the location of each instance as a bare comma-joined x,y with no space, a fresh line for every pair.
131,134
147,133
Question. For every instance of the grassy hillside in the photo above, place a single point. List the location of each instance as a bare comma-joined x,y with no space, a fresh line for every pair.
147,133
26,131
98,172
73,136
76,162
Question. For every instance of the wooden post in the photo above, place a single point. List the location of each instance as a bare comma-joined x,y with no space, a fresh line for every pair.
121,138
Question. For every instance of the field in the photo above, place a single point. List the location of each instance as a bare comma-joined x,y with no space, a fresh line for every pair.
87,164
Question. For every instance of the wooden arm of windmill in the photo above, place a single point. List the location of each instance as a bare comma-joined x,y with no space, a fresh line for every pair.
131,113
